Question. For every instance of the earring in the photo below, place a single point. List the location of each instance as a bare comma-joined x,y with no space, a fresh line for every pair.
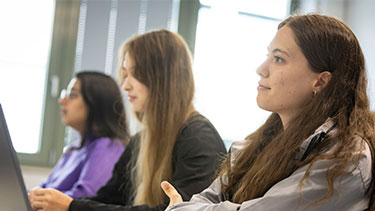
314,93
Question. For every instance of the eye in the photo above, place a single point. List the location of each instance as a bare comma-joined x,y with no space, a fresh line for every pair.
125,73
278,59
72,95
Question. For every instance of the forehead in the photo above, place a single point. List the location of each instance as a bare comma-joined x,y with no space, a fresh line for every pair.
74,84
285,40
128,62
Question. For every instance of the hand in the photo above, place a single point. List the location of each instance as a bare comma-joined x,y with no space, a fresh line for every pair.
171,192
49,199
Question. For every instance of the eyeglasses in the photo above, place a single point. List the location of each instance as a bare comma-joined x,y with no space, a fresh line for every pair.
68,94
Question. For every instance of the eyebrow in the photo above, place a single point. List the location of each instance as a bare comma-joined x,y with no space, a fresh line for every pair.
277,50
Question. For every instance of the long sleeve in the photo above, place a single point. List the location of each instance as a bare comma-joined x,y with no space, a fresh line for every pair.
119,184
81,172
195,158
285,194
97,169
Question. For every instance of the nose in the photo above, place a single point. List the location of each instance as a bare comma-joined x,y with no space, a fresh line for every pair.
61,100
126,85
262,70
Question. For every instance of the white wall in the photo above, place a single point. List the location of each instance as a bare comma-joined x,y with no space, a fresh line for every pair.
34,176
360,17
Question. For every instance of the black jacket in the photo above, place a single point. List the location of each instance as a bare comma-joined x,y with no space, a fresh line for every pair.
196,158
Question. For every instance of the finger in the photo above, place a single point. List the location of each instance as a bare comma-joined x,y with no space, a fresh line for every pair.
30,196
168,188
39,192
37,197
171,192
31,193
37,205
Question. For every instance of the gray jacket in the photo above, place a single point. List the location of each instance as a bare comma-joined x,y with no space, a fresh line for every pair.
285,195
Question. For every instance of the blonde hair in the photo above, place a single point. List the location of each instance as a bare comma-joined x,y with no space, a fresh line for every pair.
162,62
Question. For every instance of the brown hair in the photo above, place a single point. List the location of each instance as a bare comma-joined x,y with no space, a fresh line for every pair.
162,62
328,45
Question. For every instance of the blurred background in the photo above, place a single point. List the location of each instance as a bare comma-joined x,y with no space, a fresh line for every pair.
45,42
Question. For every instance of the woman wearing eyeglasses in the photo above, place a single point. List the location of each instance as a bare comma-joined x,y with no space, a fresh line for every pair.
93,106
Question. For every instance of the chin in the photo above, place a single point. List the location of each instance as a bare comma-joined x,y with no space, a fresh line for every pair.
136,109
264,106
260,102
64,122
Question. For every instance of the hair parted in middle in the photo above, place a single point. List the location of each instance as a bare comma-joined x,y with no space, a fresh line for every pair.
162,62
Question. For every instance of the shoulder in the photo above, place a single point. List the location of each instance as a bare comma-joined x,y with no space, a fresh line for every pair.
107,142
364,165
198,134
106,145
236,148
198,126
361,159
131,147
359,169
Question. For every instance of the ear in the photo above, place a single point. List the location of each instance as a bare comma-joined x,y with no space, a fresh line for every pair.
322,81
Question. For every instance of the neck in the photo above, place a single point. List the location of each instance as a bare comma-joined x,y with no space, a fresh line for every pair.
188,114
286,118
81,130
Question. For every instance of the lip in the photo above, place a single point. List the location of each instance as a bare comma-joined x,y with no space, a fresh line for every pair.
262,87
63,112
131,98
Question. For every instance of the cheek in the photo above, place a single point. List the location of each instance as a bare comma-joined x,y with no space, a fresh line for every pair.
291,86
142,102
290,92
300,93
80,112
143,91
85,113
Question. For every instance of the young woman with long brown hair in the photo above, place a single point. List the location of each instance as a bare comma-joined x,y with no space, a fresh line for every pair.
315,151
176,143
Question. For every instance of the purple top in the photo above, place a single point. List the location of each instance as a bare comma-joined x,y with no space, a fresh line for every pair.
81,172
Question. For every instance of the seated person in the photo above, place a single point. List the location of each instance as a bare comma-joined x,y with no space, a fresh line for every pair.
316,150
92,105
175,143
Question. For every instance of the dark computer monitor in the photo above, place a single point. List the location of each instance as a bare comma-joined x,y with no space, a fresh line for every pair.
13,195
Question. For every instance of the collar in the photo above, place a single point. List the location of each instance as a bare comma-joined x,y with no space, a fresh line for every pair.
327,127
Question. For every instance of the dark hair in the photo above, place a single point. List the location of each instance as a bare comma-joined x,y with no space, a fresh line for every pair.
328,45
106,110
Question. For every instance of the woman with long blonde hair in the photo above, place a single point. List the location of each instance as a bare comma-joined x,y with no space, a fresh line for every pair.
315,151
175,143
